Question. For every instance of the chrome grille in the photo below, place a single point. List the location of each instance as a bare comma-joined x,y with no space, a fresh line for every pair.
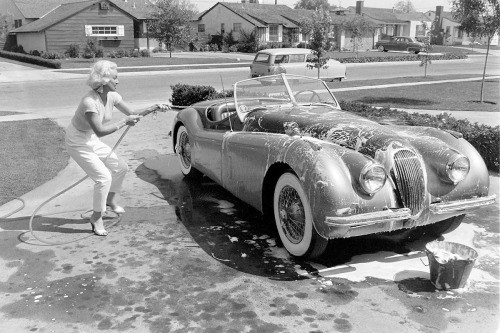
410,180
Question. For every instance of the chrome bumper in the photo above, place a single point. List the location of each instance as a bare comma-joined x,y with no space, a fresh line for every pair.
366,219
399,214
461,205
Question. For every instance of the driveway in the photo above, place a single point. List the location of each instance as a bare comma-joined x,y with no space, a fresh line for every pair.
189,257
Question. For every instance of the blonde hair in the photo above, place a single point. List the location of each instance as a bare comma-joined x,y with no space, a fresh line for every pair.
101,73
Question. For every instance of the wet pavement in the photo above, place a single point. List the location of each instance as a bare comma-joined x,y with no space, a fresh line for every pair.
189,257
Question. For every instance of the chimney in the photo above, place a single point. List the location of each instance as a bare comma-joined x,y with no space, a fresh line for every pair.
359,7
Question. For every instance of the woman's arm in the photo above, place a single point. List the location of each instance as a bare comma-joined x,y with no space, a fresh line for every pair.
123,107
103,130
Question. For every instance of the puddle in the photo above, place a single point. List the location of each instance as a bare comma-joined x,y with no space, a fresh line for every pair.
237,235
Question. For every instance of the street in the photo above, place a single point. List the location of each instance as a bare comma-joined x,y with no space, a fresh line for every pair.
190,257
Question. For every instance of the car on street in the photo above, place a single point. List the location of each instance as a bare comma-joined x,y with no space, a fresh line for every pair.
294,61
320,173
400,43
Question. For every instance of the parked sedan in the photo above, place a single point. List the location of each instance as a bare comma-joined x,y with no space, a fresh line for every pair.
400,43
320,173
294,61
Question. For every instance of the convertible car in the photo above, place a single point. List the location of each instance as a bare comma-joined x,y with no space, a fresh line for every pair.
320,173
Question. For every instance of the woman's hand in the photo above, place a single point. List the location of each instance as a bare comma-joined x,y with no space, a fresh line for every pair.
132,119
162,107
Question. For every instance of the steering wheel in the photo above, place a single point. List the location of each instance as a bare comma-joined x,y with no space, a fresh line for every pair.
312,92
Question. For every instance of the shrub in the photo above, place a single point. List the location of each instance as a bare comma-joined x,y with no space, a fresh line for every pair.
35,53
17,49
248,42
73,51
51,55
216,42
134,53
31,59
408,57
185,95
91,49
145,53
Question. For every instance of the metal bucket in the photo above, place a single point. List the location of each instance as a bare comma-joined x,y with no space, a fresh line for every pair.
450,264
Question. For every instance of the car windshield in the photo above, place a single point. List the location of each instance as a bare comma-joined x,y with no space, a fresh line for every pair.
281,90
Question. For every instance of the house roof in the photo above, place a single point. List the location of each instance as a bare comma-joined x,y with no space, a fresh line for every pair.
446,15
379,15
259,15
35,9
66,10
413,16
55,16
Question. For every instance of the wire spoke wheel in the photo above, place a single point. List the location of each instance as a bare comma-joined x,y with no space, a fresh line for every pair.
291,214
294,219
184,153
185,150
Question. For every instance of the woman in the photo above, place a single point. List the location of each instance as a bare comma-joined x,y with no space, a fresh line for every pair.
92,121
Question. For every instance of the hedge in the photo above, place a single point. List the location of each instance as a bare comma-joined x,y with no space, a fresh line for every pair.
407,57
31,59
486,139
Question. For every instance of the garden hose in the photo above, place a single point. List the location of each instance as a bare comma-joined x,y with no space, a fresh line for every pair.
65,190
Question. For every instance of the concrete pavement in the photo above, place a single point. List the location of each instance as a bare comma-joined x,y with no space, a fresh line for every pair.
155,273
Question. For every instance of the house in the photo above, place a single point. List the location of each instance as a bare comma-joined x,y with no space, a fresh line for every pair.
53,25
391,22
273,23
452,35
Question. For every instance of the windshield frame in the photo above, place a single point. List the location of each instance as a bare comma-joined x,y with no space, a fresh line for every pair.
286,97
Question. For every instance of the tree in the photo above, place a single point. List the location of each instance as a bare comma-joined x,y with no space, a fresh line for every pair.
317,28
169,22
357,27
404,6
480,18
313,4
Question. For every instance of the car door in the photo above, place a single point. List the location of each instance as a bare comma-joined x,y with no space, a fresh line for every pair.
296,64
399,44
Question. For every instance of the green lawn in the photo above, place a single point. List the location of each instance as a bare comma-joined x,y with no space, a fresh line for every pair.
31,153
457,96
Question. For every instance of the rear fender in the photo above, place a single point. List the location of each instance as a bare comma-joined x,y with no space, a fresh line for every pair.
189,118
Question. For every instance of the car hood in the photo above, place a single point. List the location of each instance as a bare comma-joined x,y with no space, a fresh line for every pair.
336,126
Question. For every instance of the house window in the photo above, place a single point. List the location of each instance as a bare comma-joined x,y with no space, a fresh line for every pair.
201,28
222,29
103,6
273,33
104,30
236,27
18,23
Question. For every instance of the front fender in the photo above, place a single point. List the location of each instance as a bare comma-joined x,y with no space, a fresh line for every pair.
329,174
435,146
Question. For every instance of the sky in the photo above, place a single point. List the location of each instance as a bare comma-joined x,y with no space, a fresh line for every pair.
420,5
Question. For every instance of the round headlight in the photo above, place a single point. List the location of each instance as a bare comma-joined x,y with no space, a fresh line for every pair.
372,178
457,168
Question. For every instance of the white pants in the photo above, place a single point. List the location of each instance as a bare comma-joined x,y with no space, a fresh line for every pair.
90,154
